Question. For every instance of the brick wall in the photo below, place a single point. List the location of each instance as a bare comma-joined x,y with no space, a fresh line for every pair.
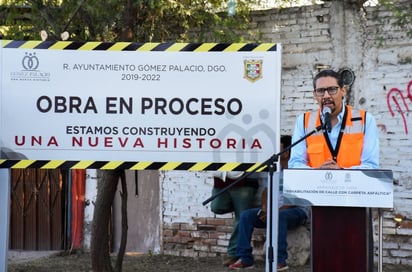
205,237
335,35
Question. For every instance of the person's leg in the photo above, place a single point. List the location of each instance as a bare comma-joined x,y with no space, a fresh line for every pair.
247,222
242,199
221,204
288,219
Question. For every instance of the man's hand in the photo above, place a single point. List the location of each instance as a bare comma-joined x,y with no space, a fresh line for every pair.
262,215
330,164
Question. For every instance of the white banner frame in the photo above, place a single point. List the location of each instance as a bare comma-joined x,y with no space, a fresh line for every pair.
210,103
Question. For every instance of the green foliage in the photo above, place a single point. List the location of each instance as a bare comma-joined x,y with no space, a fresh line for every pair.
402,11
126,20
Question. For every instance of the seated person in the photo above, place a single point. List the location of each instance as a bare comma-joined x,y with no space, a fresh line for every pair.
236,199
290,217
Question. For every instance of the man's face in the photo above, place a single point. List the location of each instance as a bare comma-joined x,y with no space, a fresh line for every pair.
328,94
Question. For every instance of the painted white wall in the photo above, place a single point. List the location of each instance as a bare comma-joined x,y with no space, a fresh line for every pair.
183,194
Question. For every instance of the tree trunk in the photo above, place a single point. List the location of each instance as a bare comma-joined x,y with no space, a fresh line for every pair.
123,241
127,33
100,251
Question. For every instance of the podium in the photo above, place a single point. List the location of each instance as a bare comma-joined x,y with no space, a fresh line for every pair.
342,239
341,220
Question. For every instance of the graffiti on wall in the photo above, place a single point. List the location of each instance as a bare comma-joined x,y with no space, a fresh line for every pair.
398,103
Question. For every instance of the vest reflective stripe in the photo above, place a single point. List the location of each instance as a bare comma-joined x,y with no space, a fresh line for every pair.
350,149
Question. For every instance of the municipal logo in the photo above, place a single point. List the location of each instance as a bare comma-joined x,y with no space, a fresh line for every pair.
253,69
30,62
30,71
328,178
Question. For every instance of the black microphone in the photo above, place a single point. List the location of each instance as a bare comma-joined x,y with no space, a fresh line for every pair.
326,114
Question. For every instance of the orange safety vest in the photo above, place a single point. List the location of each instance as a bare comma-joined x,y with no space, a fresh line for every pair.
349,146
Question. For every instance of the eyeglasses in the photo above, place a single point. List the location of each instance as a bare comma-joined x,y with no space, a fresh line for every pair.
331,90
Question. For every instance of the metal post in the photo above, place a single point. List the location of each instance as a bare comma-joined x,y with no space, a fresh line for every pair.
380,240
272,222
5,215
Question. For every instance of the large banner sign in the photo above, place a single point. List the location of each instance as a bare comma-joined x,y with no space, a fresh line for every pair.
132,102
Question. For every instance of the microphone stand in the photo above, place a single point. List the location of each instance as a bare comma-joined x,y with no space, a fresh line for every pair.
270,164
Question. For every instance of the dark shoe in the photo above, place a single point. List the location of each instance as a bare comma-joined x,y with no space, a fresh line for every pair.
239,264
282,267
230,260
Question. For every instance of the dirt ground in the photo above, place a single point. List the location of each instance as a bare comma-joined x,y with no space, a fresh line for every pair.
79,262
141,263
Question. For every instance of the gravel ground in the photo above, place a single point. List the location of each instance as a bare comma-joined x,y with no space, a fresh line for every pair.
79,262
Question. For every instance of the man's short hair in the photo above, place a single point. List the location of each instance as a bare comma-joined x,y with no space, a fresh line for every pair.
328,73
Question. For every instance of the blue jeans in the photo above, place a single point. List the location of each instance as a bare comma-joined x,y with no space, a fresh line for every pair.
288,219
236,199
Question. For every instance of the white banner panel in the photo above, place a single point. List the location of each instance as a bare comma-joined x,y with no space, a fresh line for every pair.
347,188
140,105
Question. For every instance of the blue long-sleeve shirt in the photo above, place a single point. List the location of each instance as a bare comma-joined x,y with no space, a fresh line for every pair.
370,150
